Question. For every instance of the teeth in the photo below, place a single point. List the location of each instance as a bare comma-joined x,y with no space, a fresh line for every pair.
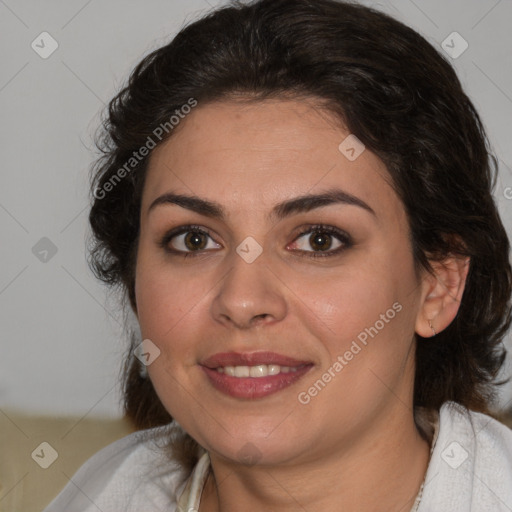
242,371
273,369
262,370
258,371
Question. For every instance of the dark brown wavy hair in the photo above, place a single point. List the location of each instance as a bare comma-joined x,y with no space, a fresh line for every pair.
390,88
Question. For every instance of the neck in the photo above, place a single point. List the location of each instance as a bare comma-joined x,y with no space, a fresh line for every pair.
382,470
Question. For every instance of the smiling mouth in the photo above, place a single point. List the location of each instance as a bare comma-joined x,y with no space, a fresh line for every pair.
253,375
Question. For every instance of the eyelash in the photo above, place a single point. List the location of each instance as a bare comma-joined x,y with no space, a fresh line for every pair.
342,237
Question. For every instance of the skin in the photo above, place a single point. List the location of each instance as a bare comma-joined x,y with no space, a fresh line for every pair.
355,444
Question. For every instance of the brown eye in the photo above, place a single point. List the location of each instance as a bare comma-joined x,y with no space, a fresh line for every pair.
186,240
321,241
195,241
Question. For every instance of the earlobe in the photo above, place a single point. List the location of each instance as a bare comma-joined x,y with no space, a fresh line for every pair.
443,290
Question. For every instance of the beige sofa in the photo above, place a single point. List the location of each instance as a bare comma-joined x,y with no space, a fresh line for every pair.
25,484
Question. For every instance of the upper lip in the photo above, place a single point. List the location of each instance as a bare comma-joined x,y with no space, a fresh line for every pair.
250,359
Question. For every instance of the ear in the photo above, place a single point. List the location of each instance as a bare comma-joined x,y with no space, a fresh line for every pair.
441,295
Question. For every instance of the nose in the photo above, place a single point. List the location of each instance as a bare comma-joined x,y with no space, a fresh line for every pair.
249,295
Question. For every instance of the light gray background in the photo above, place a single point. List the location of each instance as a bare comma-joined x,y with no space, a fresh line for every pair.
61,337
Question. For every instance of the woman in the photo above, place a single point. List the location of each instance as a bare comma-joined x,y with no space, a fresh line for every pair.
296,199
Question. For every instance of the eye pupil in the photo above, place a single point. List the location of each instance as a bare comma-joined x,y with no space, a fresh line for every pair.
320,241
195,241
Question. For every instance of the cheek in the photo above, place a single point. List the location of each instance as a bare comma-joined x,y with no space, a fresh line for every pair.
350,300
367,310
173,307
168,310
166,306
158,307
366,325
162,300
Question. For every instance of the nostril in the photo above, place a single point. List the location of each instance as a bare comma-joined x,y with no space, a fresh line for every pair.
260,318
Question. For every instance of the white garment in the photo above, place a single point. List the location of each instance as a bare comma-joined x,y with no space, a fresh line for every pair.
471,465
470,470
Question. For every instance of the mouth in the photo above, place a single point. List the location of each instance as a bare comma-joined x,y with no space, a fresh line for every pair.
253,375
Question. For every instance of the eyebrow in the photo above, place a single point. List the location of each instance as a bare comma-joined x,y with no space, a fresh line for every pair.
280,211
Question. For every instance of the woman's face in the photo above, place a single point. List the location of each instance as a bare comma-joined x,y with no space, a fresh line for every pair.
303,260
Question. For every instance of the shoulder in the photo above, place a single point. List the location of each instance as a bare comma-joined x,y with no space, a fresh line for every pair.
471,463
132,474
485,437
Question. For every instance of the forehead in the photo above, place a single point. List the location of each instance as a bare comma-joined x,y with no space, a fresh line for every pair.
250,156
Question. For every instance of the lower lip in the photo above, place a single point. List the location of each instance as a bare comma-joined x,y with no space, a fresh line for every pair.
253,387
